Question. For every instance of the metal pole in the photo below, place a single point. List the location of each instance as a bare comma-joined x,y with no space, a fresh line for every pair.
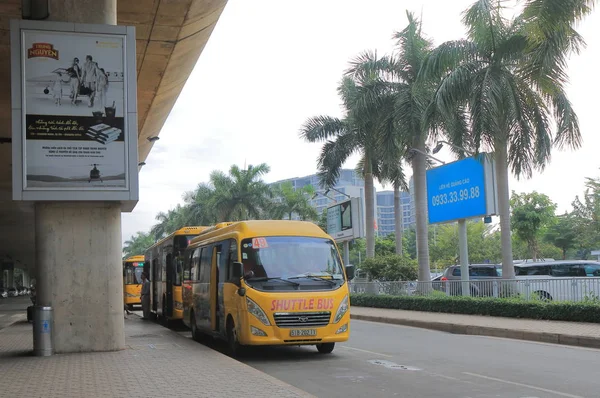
463,251
346,252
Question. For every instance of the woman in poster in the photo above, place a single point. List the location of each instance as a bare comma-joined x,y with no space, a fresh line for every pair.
75,73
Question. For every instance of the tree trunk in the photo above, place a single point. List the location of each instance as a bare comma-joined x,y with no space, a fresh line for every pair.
501,155
419,164
369,209
398,218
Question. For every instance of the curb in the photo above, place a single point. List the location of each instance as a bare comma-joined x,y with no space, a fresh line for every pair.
540,337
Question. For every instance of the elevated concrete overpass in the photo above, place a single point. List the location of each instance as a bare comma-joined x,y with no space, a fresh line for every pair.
170,37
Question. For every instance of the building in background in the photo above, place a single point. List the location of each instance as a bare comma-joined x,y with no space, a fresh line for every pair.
353,185
386,215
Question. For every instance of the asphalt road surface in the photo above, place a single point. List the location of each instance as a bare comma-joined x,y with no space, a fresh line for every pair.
383,360
13,309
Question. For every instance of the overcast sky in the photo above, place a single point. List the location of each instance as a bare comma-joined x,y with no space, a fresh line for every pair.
270,64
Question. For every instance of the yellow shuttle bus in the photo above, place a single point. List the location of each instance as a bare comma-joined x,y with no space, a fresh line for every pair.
132,281
163,263
267,283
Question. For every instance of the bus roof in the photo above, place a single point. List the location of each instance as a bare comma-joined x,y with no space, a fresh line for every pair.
259,228
135,259
182,231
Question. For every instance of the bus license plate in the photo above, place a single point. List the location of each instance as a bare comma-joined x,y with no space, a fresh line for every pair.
303,332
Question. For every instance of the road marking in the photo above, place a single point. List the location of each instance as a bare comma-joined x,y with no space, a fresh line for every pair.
367,351
391,365
562,394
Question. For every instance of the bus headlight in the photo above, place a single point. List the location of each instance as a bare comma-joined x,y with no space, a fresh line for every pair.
258,312
342,309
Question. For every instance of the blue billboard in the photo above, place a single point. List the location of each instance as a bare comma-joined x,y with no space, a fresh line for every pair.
458,190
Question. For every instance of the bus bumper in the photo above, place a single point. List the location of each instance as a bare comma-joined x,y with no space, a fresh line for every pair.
257,333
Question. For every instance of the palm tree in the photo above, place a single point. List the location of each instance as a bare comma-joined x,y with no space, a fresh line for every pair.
242,194
393,172
169,222
137,244
292,201
404,98
356,131
510,76
199,206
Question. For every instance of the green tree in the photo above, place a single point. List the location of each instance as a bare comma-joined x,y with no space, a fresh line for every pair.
137,244
293,201
391,267
322,220
169,222
241,195
562,234
356,131
509,75
531,212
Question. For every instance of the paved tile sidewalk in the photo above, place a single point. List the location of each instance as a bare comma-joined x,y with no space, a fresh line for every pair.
156,363
571,333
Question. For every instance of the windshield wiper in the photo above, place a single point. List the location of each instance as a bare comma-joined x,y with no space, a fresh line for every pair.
269,278
331,281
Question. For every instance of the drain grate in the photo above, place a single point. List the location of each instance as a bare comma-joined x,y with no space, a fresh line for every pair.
139,336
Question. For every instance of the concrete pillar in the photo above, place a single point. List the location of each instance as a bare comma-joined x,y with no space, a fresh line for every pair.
78,245
78,258
10,279
25,280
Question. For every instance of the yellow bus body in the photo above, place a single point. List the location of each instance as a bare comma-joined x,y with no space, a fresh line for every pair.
131,289
163,264
215,305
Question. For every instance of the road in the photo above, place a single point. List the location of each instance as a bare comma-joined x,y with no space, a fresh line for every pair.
383,360
13,309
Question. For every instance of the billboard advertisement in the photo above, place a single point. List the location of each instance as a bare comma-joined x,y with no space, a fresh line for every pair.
344,220
461,190
77,101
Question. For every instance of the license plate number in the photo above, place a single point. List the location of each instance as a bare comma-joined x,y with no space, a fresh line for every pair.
303,332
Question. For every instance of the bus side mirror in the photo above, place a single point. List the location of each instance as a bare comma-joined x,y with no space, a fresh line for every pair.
350,272
236,272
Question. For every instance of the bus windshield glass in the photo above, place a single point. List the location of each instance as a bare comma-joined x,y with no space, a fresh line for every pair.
133,273
292,257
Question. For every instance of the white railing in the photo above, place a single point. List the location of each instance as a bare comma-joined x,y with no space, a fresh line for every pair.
547,289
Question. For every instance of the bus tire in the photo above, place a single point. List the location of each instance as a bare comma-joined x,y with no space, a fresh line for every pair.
235,348
130,307
195,333
543,296
325,348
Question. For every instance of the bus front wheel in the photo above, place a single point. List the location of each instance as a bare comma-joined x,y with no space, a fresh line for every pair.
325,348
235,347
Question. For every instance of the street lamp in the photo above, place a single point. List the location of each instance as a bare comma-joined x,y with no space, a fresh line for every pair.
333,189
440,145
427,155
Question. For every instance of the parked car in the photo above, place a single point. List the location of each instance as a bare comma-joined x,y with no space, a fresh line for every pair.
483,274
12,292
3,293
569,280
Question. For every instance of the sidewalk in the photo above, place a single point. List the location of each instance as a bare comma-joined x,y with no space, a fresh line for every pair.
568,333
157,362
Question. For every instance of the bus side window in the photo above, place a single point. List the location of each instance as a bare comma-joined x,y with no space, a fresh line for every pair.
187,265
222,261
205,264
233,257
195,261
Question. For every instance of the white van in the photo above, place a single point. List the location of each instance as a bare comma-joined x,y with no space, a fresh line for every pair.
569,280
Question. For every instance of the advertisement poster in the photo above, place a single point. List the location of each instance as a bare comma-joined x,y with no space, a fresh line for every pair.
75,134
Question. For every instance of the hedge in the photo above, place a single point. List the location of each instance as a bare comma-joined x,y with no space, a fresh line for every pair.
510,308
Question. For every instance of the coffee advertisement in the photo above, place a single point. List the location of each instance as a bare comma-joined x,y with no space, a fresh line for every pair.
74,102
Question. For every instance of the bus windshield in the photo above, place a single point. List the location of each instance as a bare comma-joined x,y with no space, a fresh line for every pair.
290,257
133,273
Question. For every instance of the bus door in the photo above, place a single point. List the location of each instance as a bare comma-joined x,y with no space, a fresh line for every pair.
168,304
213,287
154,283
223,254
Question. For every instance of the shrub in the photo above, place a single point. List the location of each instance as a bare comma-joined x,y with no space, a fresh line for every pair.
391,268
510,308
